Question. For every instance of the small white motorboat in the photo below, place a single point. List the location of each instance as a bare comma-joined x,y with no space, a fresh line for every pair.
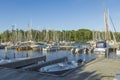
51,48
59,68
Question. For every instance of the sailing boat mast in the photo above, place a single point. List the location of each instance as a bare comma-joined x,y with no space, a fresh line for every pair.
30,31
107,37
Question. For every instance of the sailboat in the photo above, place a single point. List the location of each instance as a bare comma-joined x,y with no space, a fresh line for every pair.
106,45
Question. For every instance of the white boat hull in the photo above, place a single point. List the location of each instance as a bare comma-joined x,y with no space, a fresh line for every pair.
117,52
59,68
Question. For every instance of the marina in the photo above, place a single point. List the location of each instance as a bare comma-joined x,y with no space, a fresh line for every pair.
72,62
59,40
34,60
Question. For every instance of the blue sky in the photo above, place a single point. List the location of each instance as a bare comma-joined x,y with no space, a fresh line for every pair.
57,14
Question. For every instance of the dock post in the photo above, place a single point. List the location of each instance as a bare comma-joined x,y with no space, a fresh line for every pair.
107,53
14,55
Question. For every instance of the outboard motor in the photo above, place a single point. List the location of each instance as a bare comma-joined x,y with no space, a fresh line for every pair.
79,61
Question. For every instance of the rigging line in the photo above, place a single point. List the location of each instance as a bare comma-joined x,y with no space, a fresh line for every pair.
112,23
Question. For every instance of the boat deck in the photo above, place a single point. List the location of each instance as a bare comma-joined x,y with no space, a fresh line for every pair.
99,69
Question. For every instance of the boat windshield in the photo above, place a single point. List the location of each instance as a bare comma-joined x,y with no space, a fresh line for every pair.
101,45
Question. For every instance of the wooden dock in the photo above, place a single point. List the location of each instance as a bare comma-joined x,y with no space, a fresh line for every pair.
99,69
35,67
24,62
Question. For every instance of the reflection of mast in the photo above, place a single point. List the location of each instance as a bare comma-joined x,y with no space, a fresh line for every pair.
106,23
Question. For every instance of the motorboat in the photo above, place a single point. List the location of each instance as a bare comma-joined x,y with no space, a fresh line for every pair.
101,47
59,68
79,50
38,46
23,47
51,48
2,46
73,50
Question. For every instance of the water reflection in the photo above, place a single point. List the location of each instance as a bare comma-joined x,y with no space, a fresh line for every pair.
114,56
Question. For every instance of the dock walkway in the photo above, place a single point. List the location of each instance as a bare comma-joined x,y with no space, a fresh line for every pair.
99,69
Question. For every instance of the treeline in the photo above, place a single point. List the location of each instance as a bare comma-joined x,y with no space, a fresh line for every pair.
81,35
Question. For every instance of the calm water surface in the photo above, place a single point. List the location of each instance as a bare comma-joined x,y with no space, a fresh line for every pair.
11,54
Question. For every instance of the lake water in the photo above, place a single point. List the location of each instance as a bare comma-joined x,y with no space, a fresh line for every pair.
11,54
50,55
